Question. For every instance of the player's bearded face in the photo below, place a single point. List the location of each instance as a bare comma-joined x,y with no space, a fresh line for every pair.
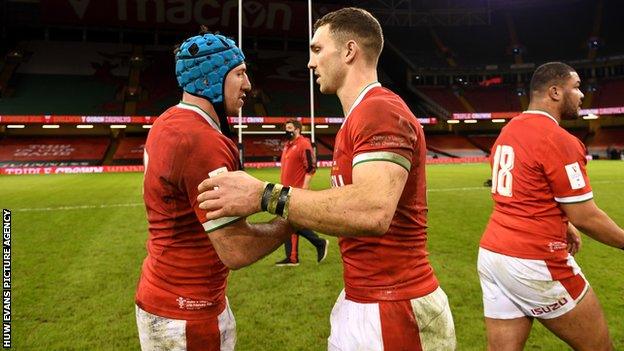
326,61
572,98
569,108
290,131
236,87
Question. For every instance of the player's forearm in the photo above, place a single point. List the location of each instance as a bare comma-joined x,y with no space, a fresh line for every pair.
601,227
265,238
245,243
306,181
345,211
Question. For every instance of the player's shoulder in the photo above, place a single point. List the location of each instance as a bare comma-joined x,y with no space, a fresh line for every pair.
553,140
190,122
379,98
533,126
303,141
164,130
380,103
188,129
184,116
559,137
564,134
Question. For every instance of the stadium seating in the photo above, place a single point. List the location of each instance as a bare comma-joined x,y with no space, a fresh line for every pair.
606,138
51,81
263,148
129,151
492,99
457,39
610,94
483,142
537,45
288,99
444,97
84,151
59,94
90,150
425,54
159,83
325,146
611,30
452,145
543,46
581,134
609,136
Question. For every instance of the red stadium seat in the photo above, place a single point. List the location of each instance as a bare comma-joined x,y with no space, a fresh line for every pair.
31,149
454,145
130,148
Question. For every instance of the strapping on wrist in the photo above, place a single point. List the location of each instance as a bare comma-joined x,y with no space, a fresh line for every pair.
275,199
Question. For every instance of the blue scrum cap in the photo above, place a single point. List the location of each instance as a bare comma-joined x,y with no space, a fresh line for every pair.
203,61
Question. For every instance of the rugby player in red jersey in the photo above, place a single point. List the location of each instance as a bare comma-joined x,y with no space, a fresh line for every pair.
377,205
542,194
180,299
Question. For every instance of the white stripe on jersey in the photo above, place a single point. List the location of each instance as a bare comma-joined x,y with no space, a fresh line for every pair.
215,224
383,156
359,99
573,199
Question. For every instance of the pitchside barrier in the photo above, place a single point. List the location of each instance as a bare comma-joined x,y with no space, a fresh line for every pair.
124,169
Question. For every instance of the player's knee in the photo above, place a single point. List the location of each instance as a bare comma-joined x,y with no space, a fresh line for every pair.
505,344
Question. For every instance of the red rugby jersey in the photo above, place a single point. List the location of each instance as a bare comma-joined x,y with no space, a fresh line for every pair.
393,266
536,164
182,276
297,161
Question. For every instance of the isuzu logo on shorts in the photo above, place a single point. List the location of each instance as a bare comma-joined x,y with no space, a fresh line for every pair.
555,306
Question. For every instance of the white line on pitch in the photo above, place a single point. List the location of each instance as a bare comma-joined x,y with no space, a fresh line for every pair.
607,181
81,207
457,189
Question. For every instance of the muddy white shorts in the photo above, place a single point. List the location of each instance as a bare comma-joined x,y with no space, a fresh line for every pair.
423,323
160,333
516,287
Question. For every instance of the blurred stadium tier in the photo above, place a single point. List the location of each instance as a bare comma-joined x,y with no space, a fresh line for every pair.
63,57
129,150
25,150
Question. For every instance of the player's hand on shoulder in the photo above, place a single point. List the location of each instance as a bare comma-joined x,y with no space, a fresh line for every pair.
230,194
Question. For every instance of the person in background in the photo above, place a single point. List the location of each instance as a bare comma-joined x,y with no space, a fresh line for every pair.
298,167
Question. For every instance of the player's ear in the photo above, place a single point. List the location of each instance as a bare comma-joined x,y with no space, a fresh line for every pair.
351,50
555,92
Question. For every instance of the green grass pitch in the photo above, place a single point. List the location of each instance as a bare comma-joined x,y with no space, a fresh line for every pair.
79,240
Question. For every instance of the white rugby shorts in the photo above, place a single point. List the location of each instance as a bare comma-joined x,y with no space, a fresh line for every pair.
516,287
160,333
423,323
